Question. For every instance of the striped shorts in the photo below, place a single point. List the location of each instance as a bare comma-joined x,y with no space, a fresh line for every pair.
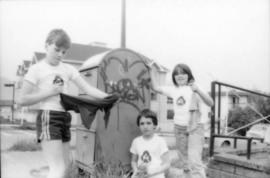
53,125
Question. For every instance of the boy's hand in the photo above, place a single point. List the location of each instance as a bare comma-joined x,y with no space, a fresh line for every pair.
56,89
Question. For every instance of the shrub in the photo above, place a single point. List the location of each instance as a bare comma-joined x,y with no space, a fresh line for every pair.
27,126
25,145
111,170
4,120
239,117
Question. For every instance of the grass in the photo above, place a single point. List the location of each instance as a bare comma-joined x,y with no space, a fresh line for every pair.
110,170
25,145
101,170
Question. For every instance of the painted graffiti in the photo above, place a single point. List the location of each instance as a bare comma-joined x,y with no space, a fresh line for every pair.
130,90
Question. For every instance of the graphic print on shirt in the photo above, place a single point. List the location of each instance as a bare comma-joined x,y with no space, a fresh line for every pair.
181,101
58,80
146,157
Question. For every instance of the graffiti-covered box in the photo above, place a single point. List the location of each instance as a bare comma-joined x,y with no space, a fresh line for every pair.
121,71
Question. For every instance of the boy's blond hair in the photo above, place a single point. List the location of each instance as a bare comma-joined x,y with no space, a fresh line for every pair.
59,37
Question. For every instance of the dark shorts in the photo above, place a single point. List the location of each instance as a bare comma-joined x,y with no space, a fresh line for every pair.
53,125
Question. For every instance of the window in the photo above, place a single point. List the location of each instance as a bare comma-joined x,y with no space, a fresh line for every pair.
235,101
169,100
170,114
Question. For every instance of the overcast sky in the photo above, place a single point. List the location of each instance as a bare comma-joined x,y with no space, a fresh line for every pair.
226,40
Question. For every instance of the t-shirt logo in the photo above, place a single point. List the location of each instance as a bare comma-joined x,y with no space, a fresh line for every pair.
181,101
146,157
58,80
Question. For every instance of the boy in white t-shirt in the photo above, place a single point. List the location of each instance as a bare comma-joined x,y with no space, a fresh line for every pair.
42,85
148,149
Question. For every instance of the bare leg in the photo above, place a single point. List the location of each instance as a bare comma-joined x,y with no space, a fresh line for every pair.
53,152
67,157
195,149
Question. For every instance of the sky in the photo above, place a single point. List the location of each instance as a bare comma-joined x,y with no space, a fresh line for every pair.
224,40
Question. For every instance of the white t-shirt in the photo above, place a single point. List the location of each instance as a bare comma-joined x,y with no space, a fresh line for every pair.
149,152
43,75
184,101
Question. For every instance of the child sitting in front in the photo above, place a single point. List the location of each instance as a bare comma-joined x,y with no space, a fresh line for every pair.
148,149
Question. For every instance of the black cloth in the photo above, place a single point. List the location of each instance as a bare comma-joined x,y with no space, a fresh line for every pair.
88,107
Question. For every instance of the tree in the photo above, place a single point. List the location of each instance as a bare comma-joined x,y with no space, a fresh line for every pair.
239,117
262,104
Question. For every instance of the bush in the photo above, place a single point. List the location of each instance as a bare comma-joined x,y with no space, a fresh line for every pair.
110,170
25,145
4,120
27,126
239,117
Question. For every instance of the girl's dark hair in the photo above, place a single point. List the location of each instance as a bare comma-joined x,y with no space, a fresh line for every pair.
147,113
182,68
59,37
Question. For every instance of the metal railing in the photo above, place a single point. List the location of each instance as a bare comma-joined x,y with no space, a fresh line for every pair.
217,93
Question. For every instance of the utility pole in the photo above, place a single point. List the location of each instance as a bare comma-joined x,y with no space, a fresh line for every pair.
123,25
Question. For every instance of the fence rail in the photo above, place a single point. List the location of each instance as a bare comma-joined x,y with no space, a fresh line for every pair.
217,93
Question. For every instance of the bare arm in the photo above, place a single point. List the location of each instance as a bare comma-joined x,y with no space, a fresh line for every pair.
134,159
204,96
27,96
88,89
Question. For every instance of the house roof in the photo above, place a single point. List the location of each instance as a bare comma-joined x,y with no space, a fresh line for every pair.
238,93
82,52
232,93
26,63
77,52
38,56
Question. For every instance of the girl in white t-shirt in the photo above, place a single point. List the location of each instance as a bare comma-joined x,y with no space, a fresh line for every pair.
187,98
148,160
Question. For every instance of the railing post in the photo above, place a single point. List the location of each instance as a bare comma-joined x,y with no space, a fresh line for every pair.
248,147
235,143
212,131
219,106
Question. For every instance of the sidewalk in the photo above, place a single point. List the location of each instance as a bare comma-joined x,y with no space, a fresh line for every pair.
21,164
18,164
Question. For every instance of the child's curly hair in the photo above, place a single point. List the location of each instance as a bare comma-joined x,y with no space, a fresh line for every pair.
147,113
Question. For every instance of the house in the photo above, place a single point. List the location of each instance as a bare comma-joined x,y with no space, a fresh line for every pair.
229,100
5,109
